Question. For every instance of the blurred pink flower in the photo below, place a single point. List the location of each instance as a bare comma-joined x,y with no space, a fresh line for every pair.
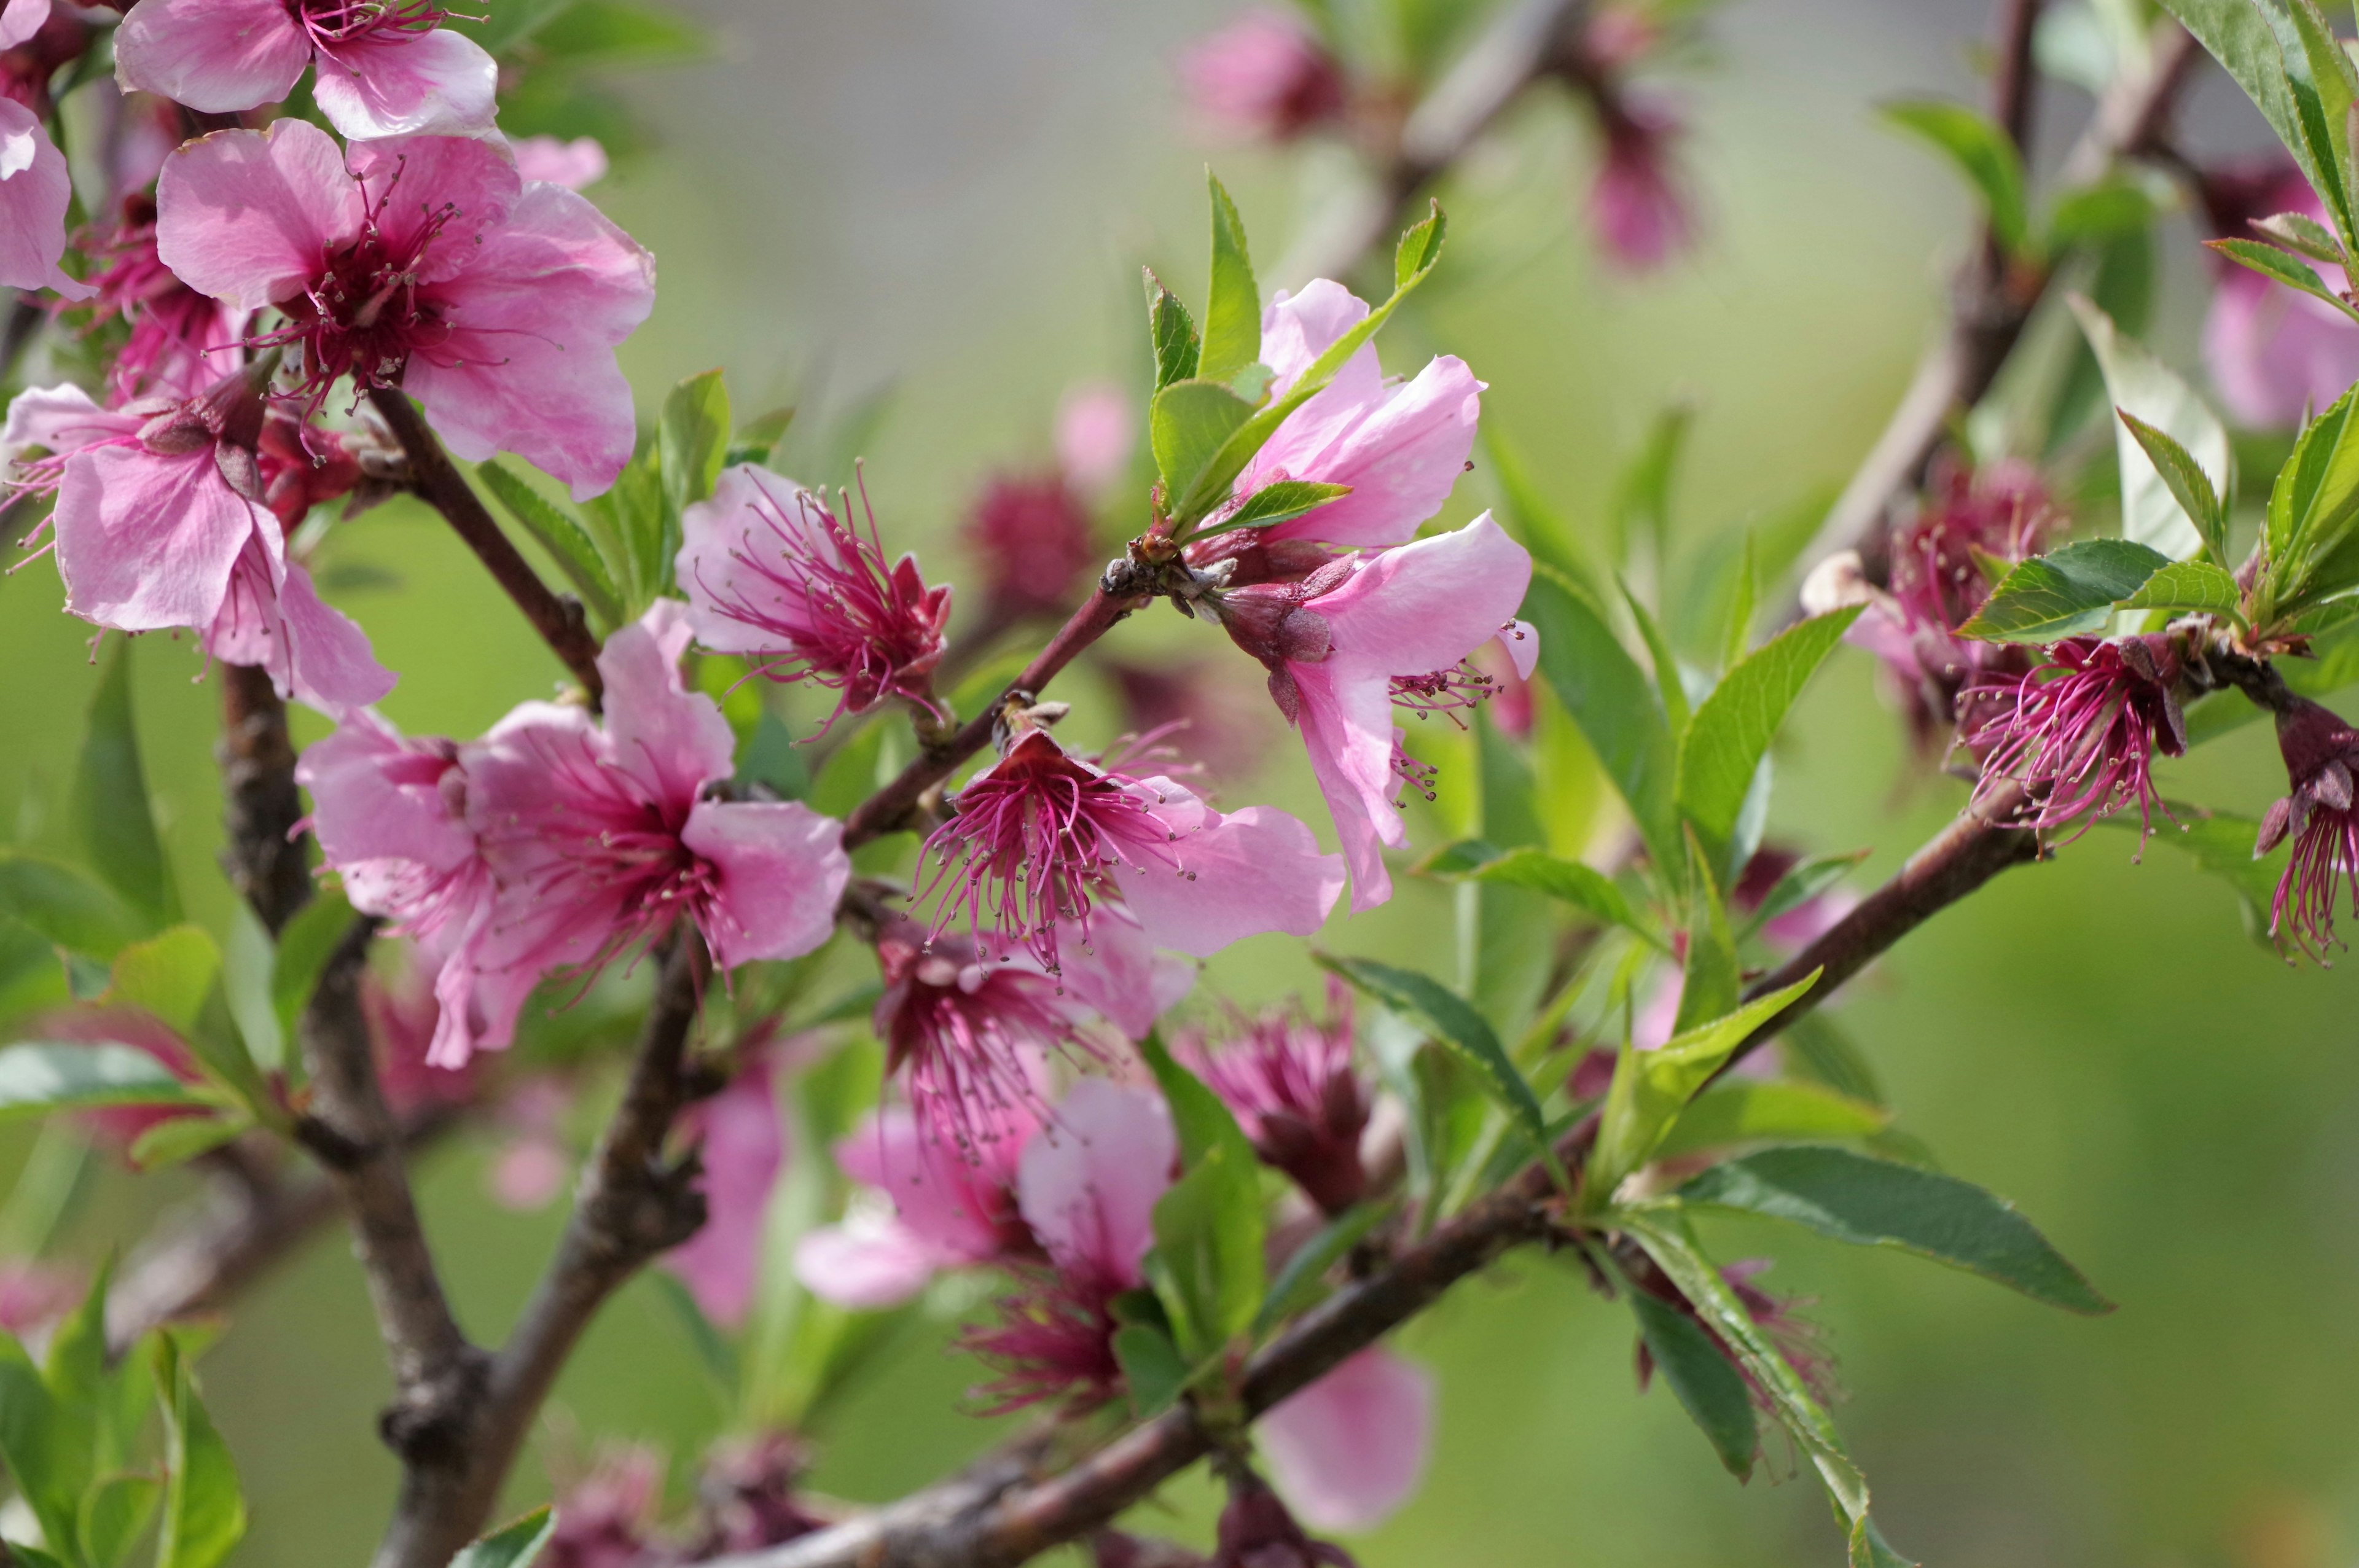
497,305
35,1294
34,194
1349,1450
2275,355
384,69
20,19
1289,1080
743,1147
1096,427
1031,535
1634,201
117,1128
533,1167
402,1013
552,160
1265,77
1400,447
180,340
1342,644
1195,709
771,573
606,1519
746,1495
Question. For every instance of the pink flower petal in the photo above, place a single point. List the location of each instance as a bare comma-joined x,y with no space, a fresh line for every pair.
333,668
218,56
955,1201
246,216
1351,1449
145,541
866,1266
1088,1182
673,739
782,868
1428,605
744,1146
575,165
59,419
392,83
20,20
1096,429
1401,458
1249,872
1347,730
528,1174
34,195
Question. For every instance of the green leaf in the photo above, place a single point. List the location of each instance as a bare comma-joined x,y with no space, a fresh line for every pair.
1669,683
1152,1368
110,805
2188,483
1207,1259
1233,305
29,1556
1454,1023
1984,154
2144,386
304,947
1642,492
2274,263
1299,1284
2098,214
1419,249
2190,585
758,438
1585,888
1777,1110
692,439
512,1545
49,1474
2314,508
1612,702
169,976
44,1076
1170,334
2299,232
114,1514
1713,1392
204,1514
1651,1088
1188,424
170,1143
1805,879
1711,982
617,32
1738,635
562,536
2241,39
1732,730
1853,1197
67,908
2066,594
2325,85
1279,502
1200,1117
632,529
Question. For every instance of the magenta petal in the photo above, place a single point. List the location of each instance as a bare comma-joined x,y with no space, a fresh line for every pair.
743,1142
866,1266
673,739
246,216
1352,1448
1402,458
952,1199
218,56
1251,871
392,82
146,542
1088,1182
782,868
34,195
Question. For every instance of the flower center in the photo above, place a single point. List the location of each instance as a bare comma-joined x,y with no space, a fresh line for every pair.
344,21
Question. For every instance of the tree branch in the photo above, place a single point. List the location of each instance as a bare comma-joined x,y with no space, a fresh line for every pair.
264,858
997,1515
558,619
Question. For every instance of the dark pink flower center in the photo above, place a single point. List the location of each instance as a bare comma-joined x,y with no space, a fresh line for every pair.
347,21
364,315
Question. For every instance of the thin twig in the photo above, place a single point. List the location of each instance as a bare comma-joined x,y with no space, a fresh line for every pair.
558,619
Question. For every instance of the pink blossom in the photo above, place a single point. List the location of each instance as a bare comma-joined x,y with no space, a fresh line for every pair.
1634,201
34,1294
2276,356
2078,733
772,574
1096,427
1400,447
1031,537
402,1013
952,1204
1041,840
385,69
1195,706
747,1496
1289,1080
575,165
1263,76
429,266
608,1517
20,19
180,340
743,1147
1345,644
34,195
158,524
532,1168
2321,754
1351,1449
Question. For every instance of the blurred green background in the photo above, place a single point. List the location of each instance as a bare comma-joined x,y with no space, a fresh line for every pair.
946,203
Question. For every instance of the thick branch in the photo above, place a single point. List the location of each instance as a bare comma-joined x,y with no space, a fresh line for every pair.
630,1207
264,858
967,1524
559,620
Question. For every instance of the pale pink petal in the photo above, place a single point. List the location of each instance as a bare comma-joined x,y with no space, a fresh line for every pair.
392,82
954,1203
146,542
1347,728
1402,459
2277,356
529,366
247,216
1521,640
334,668
376,795
1296,329
743,518
1428,605
1088,1182
1116,972
34,192
1351,1449
59,419
743,1142
528,1174
674,738
474,188
552,160
867,1265
20,19
1249,872
782,868
1095,429
219,56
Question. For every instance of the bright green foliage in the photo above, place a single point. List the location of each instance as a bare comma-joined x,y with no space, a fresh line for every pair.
1171,334
1209,1230
2153,514
205,1513
1732,729
692,441
512,1545
1853,1197
305,944
67,908
567,544
1583,887
109,799
2312,529
2188,483
1711,982
1984,154
1153,1370
1612,700
1740,1111
2243,37
2069,593
1279,502
2190,585
1299,1284
1233,305
1456,1024
1189,423
1713,1392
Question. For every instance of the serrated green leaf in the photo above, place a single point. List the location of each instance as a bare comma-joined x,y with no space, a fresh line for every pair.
1851,1196
2242,40
1455,1024
1583,887
169,976
2274,263
204,1512
565,539
1202,1121
1712,1392
1651,1088
1207,1265
2066,593
1419,248
1186,425
1984,154
1170,334
1642,490
1776,1110
66,907
2190,585
2300,232
2313,515
110,805
1711,981
692,438
2321,74
1612,702
39,1078
1734,727
2188,483
1232,304
512,1545
1279,502
2142,386
1152,1368
49,1475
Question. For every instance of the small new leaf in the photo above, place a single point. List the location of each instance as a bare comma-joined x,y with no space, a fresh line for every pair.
1984,154
1233,305
1732,729
2274,263
2188,483
2153,513
2190,585
2300,232
2068,593
1456,1024
1170,334
512,1545
40,1078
